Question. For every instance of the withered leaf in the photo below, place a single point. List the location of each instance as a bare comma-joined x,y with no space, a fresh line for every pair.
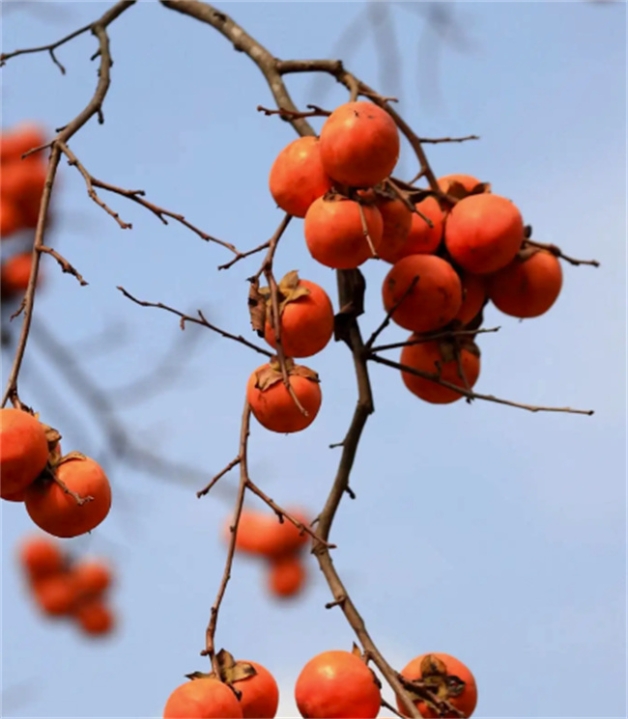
198,675
257,307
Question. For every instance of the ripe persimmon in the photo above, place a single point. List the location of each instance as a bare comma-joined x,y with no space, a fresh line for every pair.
423,239
434,299
10,220
335,232
94,617
92,578
286,575
307,317
483,233
262,534
55,594
359,144
297,177
207,698
259,693
335,685
22,138
59,513
439,357
272,404
15,273
40,557
445,674
397,220
468,182
528,286
473,297
23,450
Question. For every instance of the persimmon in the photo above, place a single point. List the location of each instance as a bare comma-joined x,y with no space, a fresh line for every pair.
55,594
204,698
528,286
272,404
262,534
439,358
21,139
297,177
335,232
423,239
483,233
259,693
397,220
286,575
307,317
22,179
468,182
94,617
92,578
337,684
9,217
23,450
473,297
359,144
59,513
40,557
450,679
434,299
15,273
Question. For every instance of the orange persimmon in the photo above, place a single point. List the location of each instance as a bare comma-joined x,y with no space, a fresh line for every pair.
335,685
259,693
433,301
335,232
359,144
15,273
473,297
528,286
55,593
307,317
286,575
272,404
483,233
205,698
23,450
297,177
439,358
94,617
92,578
40,556
445,673
60,514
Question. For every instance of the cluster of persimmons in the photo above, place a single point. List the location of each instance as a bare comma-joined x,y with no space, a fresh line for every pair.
334,684
281,545
21,187
450,254
65,495
62,588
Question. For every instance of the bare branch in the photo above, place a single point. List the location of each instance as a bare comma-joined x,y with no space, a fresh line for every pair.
200,320
430,337
474,395
557,252
65,265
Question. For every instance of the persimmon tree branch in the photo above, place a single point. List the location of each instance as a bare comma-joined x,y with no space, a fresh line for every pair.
93,108
200,320
469,394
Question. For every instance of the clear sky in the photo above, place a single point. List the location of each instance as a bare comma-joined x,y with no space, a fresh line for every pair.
486,532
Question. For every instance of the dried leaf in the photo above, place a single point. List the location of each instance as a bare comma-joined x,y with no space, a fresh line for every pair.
267,376
198,675
257,307
431,666
301,371
232,671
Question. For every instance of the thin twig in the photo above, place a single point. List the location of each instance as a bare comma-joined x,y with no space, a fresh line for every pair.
557,252
280,512
200,320
215,478
244,476
433,377
65,265
433,336
386,321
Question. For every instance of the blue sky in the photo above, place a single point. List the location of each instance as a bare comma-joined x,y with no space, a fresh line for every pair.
486,532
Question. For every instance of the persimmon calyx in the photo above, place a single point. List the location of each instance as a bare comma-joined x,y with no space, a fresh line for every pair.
459,191
270,374
289,289
69,457
435,685
364,656
526,252
229,671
